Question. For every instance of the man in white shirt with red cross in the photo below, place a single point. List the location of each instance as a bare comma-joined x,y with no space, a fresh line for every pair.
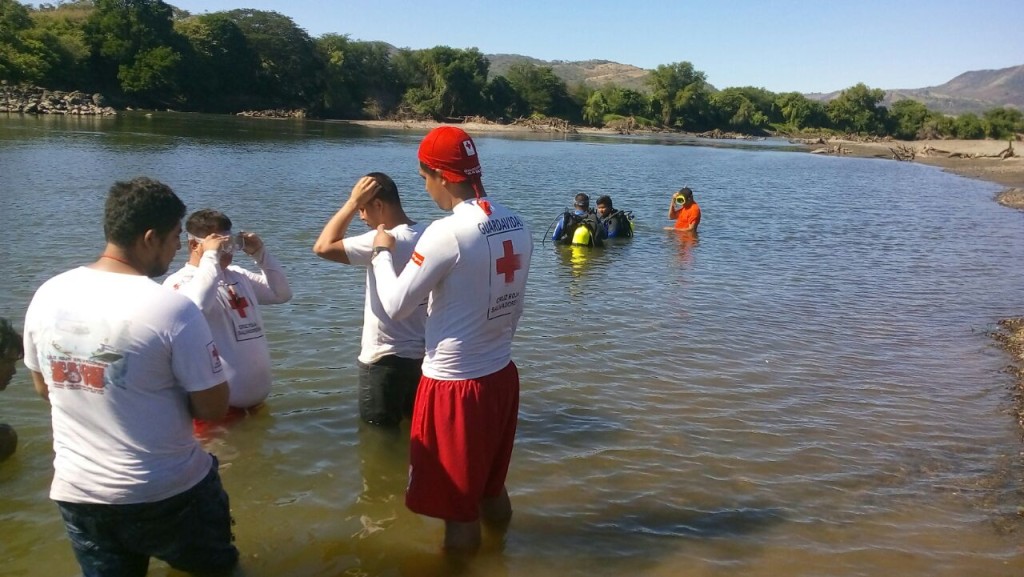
473,265
229,296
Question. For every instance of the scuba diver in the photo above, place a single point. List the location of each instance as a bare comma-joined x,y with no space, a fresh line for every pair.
618,223
580,226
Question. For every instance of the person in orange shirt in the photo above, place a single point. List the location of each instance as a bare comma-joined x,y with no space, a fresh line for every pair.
684,210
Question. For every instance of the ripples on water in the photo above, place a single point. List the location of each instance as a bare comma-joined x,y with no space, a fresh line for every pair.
807,388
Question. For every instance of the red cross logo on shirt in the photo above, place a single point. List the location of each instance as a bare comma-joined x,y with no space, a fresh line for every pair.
238,304
509,263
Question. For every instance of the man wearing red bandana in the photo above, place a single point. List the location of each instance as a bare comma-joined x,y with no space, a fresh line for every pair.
473,266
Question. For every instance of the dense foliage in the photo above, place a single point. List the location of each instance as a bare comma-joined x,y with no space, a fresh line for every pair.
148,53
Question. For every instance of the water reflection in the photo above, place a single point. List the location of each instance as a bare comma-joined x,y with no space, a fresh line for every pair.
686,241
783,397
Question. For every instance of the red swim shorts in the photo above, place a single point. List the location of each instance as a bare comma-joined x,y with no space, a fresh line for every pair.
461,443
204,429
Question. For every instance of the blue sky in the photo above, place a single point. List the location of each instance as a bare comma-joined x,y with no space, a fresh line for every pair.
781,45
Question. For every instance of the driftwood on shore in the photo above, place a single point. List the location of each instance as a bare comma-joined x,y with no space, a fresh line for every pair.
273,113
836,149
1007,152
719,134
545,124
903,153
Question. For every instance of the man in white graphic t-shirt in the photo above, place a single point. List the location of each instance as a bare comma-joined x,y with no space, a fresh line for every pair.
229,296
125,365
392,350
473,266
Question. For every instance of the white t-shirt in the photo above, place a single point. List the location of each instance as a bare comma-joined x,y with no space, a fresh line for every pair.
474,267
383,335
228,297
120,354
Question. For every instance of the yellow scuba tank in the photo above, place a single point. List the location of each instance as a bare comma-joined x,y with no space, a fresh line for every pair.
581,236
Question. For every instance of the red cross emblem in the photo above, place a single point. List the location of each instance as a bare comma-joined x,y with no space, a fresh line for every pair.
509,263
238,304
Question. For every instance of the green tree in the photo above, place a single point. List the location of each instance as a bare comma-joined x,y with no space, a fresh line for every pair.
969,126
61,30
135,49
907,119
221,68
23,57
679,95
799,112
542,90
1002,122
595,109
938,126
502,99
744,109
289,72
446,82
626,101
359,78
858,109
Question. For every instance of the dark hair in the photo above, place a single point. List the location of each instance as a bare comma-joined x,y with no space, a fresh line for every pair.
581,199
207,221
138,205
686,191
427,168
10,340
388,193
605,200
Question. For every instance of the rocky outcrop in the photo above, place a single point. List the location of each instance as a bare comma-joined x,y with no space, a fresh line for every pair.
25,99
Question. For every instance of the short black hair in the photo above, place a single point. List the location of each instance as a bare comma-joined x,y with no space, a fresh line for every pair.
605,200
581,199
207,221
138,205
388,193
10,341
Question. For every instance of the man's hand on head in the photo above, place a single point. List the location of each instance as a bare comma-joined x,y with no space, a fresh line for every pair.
363,191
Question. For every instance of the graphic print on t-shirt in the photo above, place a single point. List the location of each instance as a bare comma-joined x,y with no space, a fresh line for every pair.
505,291
77,362
245,323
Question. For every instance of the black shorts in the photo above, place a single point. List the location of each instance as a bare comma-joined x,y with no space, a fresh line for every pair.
387,389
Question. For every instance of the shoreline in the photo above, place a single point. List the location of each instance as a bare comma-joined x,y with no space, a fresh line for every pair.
969,158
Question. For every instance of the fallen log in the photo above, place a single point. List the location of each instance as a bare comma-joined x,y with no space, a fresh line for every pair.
1007,152
903,153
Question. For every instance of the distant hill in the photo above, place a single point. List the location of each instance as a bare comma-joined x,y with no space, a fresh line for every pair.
593,73
975,91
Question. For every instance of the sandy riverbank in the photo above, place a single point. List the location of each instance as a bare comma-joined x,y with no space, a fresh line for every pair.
971,158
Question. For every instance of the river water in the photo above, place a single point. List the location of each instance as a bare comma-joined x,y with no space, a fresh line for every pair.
807,388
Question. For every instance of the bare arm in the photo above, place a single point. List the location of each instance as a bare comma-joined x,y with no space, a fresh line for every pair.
40,385
331,244
211,404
